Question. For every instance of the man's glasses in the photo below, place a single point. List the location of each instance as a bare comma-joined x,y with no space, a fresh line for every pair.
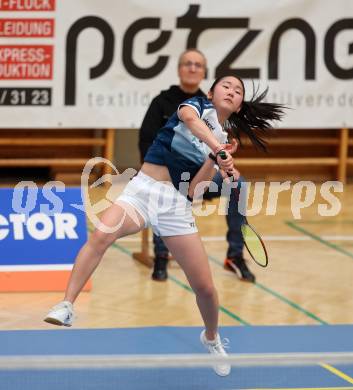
190,64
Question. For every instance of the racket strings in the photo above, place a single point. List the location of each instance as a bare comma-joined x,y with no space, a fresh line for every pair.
254,245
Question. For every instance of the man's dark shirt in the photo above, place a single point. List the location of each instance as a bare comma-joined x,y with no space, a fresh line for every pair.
159,111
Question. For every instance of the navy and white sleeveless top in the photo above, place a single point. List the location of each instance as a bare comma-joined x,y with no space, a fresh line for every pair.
178,149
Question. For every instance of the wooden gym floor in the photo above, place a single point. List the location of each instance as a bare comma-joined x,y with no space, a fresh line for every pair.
308,281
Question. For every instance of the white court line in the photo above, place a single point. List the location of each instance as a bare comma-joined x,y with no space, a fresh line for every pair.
68,267
265,238
16,362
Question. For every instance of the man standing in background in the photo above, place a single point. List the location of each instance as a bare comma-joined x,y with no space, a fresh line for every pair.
191,71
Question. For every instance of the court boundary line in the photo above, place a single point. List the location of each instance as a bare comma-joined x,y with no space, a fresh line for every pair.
188,288
222,308
337,372
230,313
279,296
315,237
265,238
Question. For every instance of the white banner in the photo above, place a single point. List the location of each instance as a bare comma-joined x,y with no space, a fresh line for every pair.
89,63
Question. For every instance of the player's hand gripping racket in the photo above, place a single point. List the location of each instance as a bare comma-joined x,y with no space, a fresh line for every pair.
251,238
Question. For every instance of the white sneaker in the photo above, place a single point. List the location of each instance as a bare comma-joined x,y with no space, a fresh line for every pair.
216,347
61,314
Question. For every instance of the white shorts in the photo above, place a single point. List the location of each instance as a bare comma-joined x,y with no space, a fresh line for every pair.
162,207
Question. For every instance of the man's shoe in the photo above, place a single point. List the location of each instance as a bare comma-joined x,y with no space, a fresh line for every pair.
62,314
239,267
160,269
216,348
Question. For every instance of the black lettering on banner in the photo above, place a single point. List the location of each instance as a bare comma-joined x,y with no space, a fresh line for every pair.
224,66
329,49
198,25
152,47
71,53
310,47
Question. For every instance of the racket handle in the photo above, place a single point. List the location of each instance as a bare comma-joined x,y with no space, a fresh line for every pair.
222,154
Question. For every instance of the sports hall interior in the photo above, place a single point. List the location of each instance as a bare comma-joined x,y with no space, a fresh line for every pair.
309,257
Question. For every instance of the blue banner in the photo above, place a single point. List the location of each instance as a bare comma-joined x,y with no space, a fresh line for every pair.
40,226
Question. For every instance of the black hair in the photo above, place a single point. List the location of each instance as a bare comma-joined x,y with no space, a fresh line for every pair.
254,118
